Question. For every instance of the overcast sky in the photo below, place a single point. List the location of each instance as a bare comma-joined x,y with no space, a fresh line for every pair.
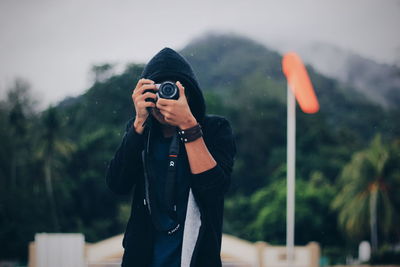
53,43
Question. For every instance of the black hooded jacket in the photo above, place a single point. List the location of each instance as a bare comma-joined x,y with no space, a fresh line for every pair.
203,226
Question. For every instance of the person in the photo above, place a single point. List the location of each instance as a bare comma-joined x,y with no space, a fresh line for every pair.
178,162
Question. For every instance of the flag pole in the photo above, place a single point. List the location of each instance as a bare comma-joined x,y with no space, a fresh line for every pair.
291,165
299,87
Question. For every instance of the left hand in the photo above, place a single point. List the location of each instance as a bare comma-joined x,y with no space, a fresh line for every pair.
177,112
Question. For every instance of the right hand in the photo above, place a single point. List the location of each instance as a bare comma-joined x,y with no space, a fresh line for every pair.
140,103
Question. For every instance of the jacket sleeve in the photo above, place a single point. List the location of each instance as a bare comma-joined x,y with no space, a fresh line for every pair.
126,165
214,182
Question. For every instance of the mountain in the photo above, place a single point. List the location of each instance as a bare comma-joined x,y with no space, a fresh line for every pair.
228,62
234,68
242,80
221,60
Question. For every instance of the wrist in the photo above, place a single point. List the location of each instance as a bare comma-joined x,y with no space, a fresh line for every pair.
138,125
189,123
191,134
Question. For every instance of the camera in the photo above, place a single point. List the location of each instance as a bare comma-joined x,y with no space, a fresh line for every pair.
168,90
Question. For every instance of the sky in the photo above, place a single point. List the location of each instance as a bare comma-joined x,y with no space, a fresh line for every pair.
53,44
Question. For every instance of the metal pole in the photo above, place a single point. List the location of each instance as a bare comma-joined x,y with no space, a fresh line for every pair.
291,159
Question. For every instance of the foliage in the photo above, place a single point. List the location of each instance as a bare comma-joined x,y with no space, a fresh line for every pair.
71,144
368,193
262,216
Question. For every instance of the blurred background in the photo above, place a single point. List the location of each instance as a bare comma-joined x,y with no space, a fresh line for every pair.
68,68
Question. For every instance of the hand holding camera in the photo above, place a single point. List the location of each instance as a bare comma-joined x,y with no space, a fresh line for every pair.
176,111
145,89
169,99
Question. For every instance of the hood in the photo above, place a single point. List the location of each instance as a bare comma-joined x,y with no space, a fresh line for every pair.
170,65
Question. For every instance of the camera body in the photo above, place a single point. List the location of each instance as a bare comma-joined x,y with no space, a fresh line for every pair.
166,90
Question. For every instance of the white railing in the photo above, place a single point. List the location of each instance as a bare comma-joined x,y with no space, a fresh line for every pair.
66,250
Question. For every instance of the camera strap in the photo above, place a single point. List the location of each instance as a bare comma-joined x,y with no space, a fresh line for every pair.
168,201
170,183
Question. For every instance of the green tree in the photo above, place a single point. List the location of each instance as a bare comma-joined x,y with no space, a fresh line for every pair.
52,145
262,216
102,72
367,200
22,211
20,107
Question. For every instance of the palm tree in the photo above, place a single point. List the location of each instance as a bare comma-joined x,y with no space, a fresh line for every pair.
21,109
17,121
52,146
367,195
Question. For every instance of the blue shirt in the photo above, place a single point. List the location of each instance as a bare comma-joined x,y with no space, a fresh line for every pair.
167,248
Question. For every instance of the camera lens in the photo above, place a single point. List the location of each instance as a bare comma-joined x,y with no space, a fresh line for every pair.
168,90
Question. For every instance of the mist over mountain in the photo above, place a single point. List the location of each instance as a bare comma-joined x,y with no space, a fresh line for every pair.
379,82
236,68
229,62
222,60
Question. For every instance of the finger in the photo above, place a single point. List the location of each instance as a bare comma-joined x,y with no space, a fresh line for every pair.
160,106
147,86
148,104
142,97
164,108
147,95
166,114
181,89
165,102
143,81
141,89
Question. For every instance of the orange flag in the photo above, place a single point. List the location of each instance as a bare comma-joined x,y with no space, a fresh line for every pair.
299,82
